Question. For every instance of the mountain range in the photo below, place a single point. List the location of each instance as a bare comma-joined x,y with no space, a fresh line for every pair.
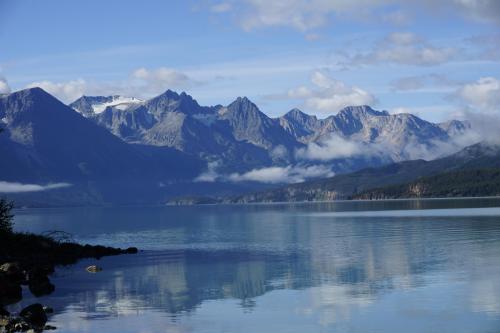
115,149
240,137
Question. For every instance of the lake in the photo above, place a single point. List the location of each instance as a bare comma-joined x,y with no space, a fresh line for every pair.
382,266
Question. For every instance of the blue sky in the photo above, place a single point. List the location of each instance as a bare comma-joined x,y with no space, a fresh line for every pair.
319,55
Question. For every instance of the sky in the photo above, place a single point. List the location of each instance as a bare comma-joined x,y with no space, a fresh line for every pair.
438,61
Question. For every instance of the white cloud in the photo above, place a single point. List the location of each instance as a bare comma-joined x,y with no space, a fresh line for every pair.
8,187
297,14
221,7
482,95
161,78
481,100
279,153
330,95
485,125
481,10
280,175
414,150
271,175
403,48
4,86
336,147
332,148
307,15
65,91
302,15
141,83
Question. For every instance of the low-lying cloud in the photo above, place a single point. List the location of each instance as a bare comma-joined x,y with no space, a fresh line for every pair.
482,95
210,175
434,149
13,187
270,175
485,125
332,148
336,147
281,175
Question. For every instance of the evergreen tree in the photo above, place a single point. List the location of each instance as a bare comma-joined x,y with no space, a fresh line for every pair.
6,216
5,213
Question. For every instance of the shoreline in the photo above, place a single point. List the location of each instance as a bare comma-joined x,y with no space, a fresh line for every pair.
26,262
24,208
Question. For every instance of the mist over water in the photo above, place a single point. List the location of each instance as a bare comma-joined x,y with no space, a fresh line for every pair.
392,266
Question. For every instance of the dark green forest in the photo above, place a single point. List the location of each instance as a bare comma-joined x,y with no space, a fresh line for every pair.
464,183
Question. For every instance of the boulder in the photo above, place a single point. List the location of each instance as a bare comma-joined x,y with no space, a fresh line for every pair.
93,269
13,272
38,281
48,309
34,315
41,286
10,291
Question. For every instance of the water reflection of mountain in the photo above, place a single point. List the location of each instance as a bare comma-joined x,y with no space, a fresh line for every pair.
351,259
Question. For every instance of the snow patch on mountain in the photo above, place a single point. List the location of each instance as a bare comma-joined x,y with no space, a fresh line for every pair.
120,102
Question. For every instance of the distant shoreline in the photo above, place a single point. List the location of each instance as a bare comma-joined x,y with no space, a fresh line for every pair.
21,209
330,201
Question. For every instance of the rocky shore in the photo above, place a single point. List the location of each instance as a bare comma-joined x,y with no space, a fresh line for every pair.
27,261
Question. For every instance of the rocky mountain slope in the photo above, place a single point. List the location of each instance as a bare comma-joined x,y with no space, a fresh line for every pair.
45,141
239,137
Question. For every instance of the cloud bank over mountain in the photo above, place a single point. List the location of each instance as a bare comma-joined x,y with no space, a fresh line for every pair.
482,95
329,95
4,86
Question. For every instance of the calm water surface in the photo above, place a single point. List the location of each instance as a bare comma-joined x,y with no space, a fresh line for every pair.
393,266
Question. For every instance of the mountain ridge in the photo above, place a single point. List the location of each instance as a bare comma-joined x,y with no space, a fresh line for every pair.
78,151
214,133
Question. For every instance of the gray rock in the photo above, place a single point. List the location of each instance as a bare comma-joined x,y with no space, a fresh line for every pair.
93,269
13,272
